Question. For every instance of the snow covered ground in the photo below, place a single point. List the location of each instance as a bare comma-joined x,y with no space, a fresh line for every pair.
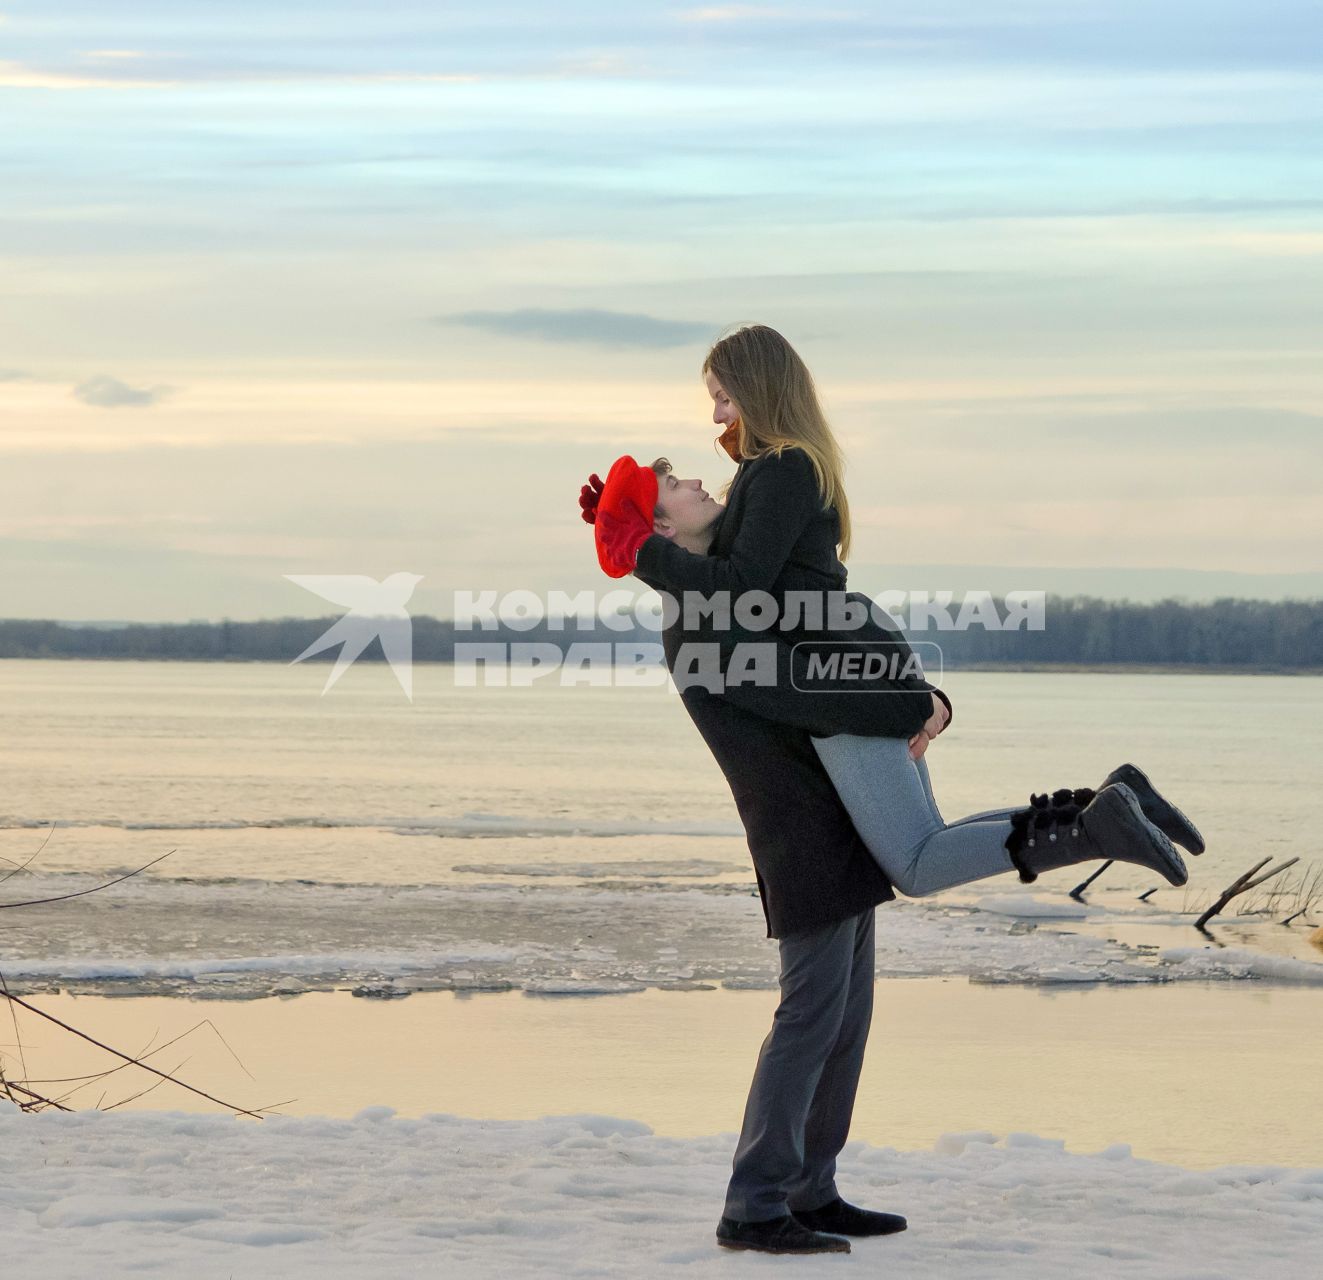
114,1194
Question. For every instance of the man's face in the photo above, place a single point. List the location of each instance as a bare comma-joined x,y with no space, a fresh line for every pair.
684,507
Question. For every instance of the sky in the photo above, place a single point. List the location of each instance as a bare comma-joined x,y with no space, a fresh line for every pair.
335,288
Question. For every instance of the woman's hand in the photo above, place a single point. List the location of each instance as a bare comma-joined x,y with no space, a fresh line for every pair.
623,537
933,726
937,721
589,496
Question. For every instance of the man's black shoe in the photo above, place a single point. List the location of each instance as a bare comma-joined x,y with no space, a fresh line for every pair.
846,1220
779,1235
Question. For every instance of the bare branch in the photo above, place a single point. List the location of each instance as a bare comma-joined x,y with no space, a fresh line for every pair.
142,1092
144,1054
36,1097
41,1013
64,897
1078,891
1240,885
99,1075
24,866
29,1100
18,1035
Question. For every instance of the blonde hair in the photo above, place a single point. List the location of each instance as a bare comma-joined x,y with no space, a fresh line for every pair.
778,406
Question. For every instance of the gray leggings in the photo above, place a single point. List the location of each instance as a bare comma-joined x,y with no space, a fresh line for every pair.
890,800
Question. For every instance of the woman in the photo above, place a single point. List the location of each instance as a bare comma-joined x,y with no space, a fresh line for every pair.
786,518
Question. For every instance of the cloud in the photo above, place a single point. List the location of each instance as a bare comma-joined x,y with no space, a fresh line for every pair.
794,13
97,44
16,75
588,325
727,13
13,375
110,393
1282,243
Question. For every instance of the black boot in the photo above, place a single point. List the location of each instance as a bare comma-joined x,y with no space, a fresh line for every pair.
847,1220
1157,808
1079,826
780,1235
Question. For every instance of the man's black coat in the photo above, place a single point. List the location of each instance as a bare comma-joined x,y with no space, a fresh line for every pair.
776,536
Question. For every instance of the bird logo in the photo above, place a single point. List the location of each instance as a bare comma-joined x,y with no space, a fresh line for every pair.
376,609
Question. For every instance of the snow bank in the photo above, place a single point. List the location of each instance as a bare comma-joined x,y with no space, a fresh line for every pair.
112,1194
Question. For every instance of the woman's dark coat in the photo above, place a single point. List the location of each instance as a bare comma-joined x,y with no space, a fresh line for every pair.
775,535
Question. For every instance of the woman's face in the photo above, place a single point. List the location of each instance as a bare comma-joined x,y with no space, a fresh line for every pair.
724,410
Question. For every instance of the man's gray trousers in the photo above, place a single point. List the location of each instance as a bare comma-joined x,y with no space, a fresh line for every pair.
797,1117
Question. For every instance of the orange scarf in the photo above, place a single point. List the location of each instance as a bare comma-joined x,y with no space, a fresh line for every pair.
730,441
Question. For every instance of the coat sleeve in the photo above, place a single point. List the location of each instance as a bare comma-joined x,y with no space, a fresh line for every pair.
897,712
781,498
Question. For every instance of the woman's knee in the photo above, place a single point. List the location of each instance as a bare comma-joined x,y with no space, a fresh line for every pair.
910,879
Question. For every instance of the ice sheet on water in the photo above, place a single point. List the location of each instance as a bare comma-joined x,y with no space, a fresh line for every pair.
1030,906
253,937
632,869
476,825
1241,962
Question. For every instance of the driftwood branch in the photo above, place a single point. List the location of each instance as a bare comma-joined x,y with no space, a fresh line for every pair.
1250,880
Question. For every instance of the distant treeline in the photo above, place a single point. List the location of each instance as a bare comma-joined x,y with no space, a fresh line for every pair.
1253,635
1256,635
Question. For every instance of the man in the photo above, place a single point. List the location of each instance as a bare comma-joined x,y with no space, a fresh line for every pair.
817,881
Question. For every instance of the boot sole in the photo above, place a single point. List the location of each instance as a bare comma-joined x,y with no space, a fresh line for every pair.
1164,852
1174,825
762,1248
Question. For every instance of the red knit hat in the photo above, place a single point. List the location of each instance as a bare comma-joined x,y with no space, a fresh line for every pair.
626,481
